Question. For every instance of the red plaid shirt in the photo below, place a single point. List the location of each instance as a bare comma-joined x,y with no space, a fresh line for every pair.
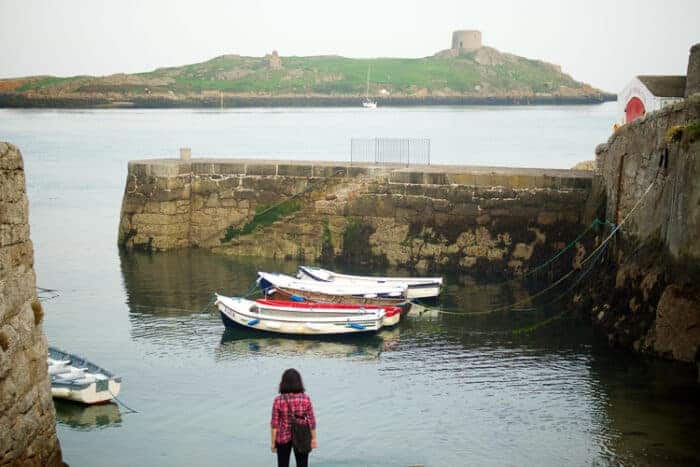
300,404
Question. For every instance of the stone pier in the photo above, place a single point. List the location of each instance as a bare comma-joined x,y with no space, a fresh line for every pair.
422,217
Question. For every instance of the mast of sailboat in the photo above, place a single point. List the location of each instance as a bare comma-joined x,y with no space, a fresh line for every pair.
367,92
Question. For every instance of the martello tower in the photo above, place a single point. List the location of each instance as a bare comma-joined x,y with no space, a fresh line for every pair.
466,41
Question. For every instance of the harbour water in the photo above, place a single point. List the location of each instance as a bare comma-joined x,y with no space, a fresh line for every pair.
445,391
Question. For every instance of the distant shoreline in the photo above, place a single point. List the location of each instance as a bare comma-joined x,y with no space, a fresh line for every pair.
15,100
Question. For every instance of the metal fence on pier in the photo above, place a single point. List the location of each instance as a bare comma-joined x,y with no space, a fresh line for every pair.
400,151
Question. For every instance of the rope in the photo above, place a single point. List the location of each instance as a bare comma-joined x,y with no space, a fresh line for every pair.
121,403
595,252
596,222
251,291
551,319
207,309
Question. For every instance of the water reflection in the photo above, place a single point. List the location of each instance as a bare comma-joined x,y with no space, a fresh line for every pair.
558,384
170,294
650,408
87,417
237,343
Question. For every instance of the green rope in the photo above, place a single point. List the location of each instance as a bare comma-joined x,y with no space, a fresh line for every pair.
596,222
595,254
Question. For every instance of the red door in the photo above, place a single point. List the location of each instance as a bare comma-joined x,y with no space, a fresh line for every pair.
634,109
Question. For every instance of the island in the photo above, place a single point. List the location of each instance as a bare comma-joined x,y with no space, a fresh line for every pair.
468,73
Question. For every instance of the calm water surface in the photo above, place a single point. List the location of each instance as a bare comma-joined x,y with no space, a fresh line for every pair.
447,391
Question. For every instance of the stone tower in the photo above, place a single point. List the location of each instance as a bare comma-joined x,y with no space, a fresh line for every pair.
692,81
466,41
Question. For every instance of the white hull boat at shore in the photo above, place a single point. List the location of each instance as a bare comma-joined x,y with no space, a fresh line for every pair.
418,287
304,318
76,379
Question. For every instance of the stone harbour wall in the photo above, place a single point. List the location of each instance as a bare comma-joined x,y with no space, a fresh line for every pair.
27,417
649,298
494,220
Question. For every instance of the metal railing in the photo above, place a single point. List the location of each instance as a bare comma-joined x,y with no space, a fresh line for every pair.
400,151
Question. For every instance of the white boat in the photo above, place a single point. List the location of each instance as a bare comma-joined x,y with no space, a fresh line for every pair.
418,287
79,380
287,287
301,318
367,103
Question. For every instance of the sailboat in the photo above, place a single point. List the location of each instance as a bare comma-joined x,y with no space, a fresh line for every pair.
367,103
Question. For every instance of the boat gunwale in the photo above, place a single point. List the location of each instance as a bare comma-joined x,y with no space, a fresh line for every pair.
411,282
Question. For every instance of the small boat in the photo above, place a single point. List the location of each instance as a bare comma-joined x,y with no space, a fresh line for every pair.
418,287
77,379
286,317
283,287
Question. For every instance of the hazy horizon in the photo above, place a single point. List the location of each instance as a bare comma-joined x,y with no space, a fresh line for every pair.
602,44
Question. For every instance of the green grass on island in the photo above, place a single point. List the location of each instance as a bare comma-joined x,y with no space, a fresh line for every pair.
483,73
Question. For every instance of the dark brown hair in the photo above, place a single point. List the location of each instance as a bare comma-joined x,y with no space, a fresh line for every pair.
291,382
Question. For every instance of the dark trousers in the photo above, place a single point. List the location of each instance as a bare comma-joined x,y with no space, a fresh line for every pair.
283,452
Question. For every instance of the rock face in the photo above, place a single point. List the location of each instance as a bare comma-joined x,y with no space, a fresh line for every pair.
498,221
650,298
27,417
692,83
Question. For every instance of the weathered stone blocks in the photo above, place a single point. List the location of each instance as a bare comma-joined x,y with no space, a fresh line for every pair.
418,219
27,420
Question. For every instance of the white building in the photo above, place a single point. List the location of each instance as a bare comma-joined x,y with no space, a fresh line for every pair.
648,93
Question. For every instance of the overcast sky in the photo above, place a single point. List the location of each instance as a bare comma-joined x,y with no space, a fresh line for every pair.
601,42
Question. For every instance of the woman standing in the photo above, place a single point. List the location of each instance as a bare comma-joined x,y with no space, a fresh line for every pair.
291,401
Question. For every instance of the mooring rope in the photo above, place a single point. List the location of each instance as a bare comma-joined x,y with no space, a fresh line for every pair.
551,319
121,403
596,222
530,298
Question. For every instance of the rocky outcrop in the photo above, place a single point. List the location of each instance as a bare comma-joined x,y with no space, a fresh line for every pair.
27,418
649,298
485,220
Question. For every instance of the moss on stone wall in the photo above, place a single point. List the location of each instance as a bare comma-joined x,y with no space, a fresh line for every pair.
684,134
264,215
327,249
